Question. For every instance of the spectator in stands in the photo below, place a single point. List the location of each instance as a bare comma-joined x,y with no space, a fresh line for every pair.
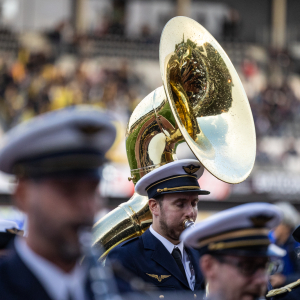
231,25
33,85
282,237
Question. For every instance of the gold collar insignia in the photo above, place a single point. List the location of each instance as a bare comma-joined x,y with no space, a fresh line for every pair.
15,231
159,278
261,220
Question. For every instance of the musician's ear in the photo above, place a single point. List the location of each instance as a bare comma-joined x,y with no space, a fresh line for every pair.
20,195
154,206
208,266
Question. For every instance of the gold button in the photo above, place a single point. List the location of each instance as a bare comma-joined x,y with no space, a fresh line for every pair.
161,296
195,295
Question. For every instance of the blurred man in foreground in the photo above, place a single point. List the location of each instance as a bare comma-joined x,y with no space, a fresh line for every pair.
234,249
158,256
56,158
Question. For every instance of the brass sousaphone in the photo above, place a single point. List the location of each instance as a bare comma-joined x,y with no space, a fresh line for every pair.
202,102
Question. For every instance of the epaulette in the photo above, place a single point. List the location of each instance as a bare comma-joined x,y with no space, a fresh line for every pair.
284,289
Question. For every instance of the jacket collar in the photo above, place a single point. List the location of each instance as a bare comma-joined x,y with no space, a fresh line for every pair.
149,240
168,245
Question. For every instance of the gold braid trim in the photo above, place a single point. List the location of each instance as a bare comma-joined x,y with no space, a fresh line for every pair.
179,188
235,234
228,245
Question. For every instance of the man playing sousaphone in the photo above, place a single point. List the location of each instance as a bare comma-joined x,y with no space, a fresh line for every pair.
158,256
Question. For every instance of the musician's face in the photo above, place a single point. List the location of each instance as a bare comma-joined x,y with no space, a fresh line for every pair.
173,210
235,278
57,209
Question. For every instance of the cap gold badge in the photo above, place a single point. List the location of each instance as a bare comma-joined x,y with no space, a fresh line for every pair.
261,220
191,169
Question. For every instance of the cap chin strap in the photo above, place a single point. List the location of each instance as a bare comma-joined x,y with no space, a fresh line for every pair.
178,188
247,243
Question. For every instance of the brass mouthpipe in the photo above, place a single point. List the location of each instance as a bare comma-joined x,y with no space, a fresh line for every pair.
188,223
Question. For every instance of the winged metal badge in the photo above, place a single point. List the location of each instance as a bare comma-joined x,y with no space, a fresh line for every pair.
261,220
159,278
191,169
15,231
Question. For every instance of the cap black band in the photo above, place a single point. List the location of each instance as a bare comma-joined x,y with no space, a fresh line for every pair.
76,162
252,241
174,184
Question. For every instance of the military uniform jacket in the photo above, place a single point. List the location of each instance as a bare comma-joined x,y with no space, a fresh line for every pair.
146,257
17,282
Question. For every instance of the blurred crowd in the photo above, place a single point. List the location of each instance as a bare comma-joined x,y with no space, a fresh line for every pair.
272,95
32,84
272,87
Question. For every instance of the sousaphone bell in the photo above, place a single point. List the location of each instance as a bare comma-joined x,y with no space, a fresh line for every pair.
202,102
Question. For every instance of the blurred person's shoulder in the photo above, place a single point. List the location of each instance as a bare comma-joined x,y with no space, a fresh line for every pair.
17,282
10,269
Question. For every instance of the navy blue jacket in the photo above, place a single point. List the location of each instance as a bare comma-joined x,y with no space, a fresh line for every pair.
17,282
145,255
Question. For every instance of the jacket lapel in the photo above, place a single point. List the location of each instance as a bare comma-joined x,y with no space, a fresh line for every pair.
162,256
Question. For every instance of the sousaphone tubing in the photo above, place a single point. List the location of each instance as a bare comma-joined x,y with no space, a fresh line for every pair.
202,102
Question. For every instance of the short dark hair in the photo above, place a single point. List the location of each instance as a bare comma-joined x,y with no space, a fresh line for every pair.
159,199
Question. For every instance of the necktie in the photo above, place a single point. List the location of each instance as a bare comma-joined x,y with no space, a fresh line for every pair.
70,296
177,256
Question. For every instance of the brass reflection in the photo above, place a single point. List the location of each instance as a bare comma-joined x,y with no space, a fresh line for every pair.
200,81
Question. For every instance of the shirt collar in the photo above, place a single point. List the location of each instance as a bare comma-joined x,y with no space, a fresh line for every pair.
169,246
56,282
